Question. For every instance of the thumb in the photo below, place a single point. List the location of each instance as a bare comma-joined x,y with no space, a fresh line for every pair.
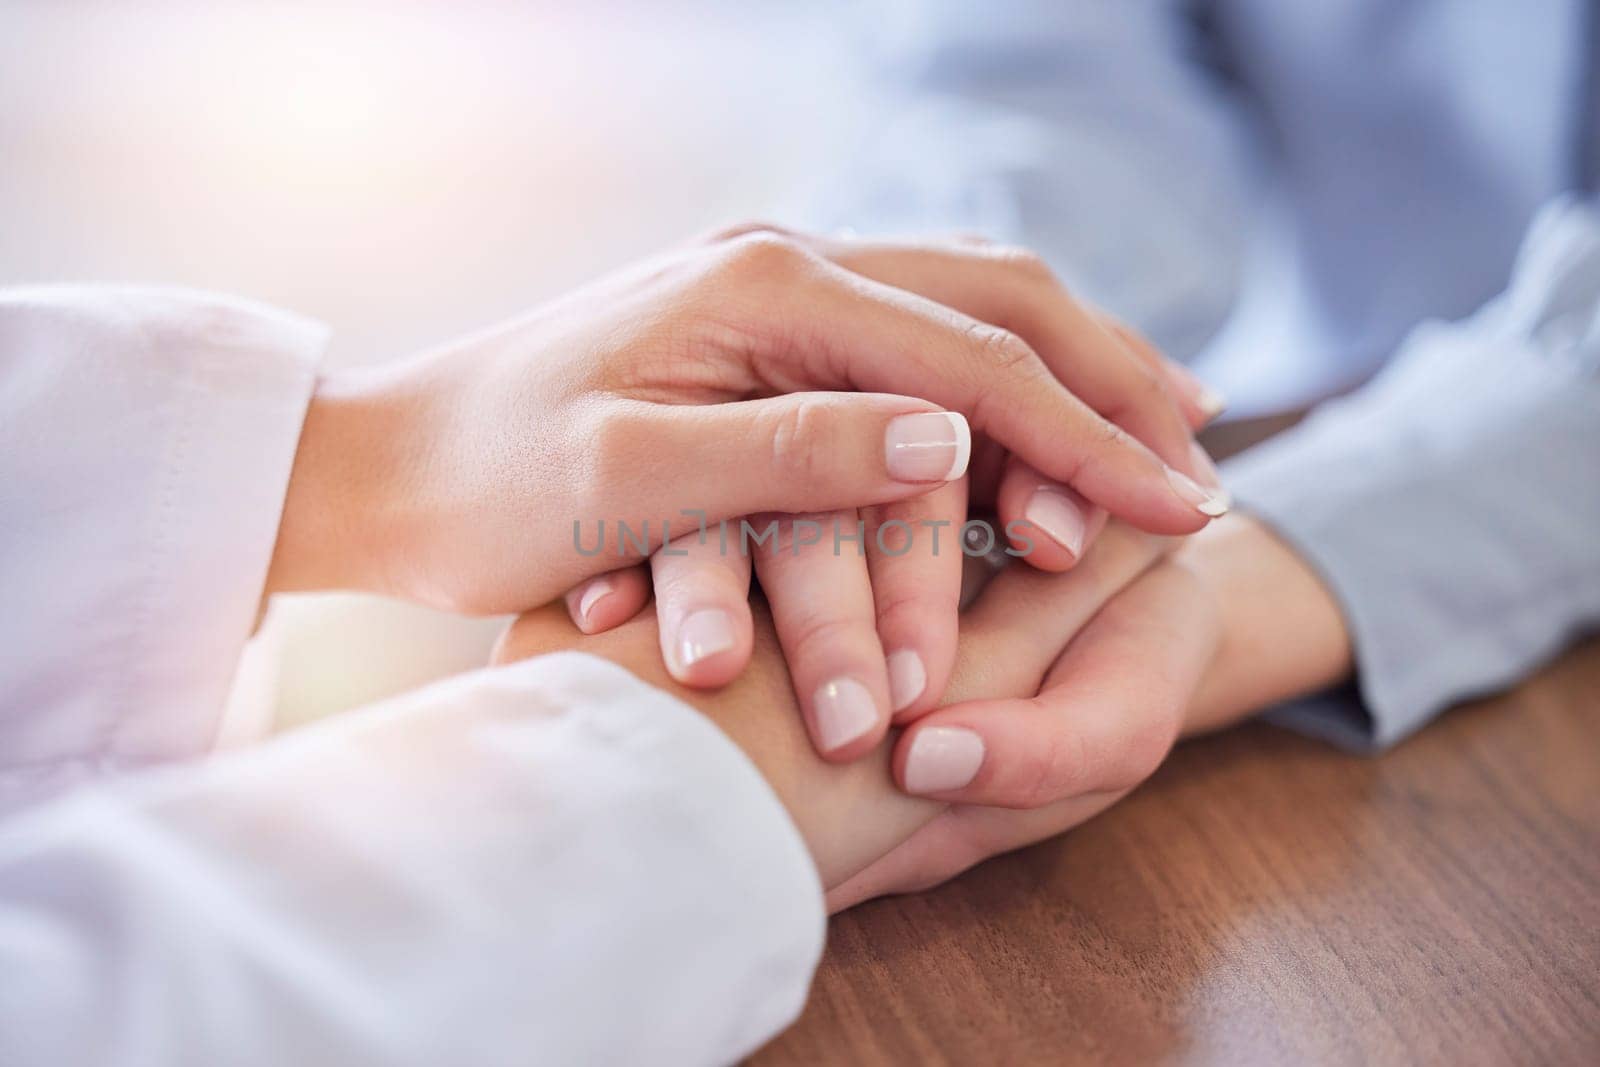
803,452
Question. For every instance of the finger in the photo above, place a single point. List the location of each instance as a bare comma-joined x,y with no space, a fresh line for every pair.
608,600
960,837
1016,290
702,586
1109,710
923,267
1201,403
795,453
861,334
920,862
914,559
1017,628
817,585
1049,525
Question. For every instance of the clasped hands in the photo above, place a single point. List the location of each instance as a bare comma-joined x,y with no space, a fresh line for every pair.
760,374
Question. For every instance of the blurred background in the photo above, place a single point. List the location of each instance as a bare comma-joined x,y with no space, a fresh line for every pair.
404,172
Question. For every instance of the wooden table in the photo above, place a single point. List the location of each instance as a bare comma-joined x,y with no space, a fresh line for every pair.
1266,899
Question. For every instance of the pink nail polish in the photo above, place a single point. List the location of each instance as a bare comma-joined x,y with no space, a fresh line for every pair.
907,678
844,710
931,446
703,634
1058,516
1211,402
942,758
1202,463
1212,502
593,593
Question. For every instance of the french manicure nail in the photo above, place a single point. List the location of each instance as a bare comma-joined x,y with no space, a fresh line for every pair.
1202,463
907,678
1212,502
931,446
702,634
943,758
844,711
1211,402
593,593
1061,519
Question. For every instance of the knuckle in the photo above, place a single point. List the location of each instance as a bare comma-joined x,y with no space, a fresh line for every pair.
1050,771
744,229
915,605
1001,350
798,438
764,256
1108,435
814,634
1024,262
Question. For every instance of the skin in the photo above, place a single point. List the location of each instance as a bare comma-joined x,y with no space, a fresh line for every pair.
754,371
1079,684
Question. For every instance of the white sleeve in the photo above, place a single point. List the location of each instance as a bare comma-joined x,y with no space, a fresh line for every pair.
550,862
146,438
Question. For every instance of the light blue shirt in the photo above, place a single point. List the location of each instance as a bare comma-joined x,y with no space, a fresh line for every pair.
1294,196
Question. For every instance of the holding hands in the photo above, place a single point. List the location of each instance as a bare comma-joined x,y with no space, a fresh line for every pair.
754,372
844,403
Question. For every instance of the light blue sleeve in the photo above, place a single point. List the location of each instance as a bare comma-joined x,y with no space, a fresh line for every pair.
1091,132
1453,504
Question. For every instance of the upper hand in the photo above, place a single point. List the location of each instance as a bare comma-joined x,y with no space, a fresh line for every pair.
699,381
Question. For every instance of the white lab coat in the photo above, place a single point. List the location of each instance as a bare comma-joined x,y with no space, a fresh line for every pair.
550,862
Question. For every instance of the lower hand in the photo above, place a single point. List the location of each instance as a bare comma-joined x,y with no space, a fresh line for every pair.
851,815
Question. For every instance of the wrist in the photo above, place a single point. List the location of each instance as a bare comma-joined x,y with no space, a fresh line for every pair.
335,502
1283,632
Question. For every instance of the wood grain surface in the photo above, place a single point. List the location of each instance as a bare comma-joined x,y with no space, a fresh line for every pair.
1266,899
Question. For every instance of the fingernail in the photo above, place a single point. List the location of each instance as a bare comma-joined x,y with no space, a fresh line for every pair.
1055,513
844,711
1211,402
702,634
907,678
1212,502
593,593
1202,463
932,446
943,758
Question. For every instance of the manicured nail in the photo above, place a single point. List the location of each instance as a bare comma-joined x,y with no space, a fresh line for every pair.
844,711
703,634
1211,402
1202,463
1061,519
907,678
593,593
932,446
942,758
1212,502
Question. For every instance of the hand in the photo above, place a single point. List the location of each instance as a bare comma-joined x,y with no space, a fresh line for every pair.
850,814
457,478
1235,599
